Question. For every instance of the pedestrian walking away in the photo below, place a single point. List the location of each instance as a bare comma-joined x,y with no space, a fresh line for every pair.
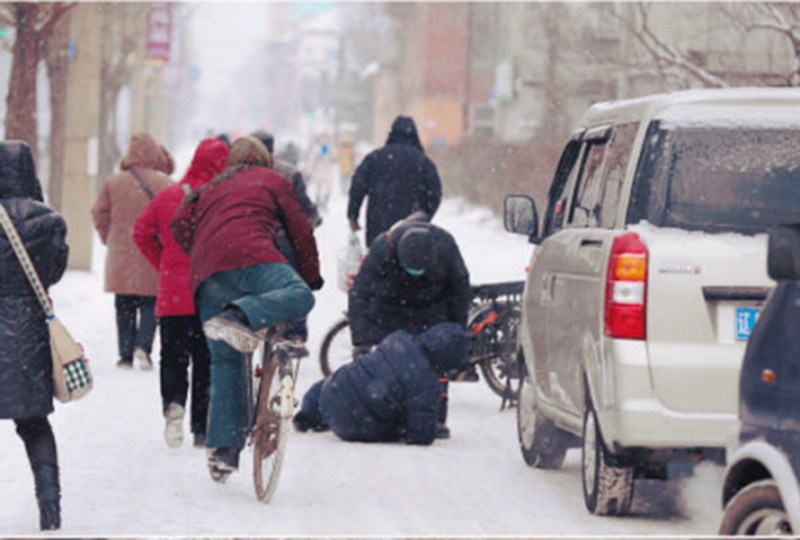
390,394
128,274
297,330
412,278
397,180
183,343
26,368
241,281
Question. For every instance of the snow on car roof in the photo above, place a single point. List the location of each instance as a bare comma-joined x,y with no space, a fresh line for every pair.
750,115
767,107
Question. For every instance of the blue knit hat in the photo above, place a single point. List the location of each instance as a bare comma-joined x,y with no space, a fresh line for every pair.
416,250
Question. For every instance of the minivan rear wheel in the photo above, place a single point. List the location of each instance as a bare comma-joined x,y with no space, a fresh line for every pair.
542,444
757,510
607,490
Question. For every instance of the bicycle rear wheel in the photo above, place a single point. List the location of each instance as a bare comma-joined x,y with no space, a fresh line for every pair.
271,429
336,349
495,345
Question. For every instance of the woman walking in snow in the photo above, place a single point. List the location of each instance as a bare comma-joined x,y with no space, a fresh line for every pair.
182,338
128,274
26,368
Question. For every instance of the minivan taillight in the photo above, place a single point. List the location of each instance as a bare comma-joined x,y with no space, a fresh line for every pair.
626,288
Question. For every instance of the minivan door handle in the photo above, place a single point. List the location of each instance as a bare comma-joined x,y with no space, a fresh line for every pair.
591,242
548,284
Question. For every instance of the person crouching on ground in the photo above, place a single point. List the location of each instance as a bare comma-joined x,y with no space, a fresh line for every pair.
412,278
240,280
390,394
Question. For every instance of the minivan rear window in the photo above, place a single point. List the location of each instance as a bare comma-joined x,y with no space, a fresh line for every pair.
718,178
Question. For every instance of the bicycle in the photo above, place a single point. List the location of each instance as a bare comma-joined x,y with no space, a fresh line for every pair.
492,324
270,386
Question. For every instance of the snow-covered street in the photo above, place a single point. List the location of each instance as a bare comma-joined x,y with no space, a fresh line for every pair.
119,477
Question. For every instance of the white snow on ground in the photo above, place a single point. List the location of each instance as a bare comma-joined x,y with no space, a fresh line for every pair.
119,477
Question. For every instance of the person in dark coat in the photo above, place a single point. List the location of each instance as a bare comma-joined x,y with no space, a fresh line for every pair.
26,368
293,175
397,179
390,394
241,282
412,278
182,340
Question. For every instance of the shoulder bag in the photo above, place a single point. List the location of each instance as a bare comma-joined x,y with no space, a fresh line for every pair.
72,378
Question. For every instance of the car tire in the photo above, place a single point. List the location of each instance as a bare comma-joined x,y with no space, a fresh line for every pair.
543,445
756,510
607,489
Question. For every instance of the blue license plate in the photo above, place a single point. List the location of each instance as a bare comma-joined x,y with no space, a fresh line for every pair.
745,320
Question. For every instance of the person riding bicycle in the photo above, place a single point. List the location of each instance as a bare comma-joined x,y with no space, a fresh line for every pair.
412,278
241,281
390,394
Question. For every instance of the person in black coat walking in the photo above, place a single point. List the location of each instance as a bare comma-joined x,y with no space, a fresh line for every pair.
398,180
26,368
412,278
390,394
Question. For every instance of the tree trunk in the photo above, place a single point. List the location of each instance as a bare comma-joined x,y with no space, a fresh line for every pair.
20,121
57,69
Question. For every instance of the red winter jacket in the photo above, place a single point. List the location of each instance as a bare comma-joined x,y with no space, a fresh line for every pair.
231,223
154,238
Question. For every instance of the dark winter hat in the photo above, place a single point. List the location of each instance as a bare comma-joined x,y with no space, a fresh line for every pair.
404,131
416,250
17,172
446,345
266,138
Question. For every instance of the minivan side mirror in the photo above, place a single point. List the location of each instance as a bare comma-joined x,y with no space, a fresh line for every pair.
520,216
783,252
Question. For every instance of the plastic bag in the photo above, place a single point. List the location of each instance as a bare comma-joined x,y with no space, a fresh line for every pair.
348,262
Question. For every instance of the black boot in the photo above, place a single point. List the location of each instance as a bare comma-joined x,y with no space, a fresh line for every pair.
40,445
49,516
48,493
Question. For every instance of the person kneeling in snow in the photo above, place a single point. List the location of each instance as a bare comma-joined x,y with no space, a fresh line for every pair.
390,394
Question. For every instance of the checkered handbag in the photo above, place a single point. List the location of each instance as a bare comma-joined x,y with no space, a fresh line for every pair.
72,378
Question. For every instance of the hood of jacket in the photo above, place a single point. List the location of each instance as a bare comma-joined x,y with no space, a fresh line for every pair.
446,345
404,131
18,172
208,161
144,152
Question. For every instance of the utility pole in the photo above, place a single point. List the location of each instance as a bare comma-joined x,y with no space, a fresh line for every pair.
81,131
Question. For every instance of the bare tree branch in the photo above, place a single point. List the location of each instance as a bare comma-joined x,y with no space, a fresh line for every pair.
57,10
665,54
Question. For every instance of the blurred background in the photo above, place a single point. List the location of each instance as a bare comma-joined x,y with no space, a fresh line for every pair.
495,88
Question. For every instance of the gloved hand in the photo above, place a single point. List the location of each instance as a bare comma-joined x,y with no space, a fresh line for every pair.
317,285
361,350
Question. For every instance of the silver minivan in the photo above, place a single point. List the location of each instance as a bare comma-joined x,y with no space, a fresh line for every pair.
647,278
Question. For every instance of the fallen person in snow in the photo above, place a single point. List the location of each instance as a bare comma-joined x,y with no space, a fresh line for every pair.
390,394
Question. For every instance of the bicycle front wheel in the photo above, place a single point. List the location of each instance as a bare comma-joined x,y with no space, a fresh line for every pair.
271,430
336,349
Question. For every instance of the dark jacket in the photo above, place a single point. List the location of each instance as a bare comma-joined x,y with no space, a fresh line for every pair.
293,175
398,180
26,380
394,392
384,298
232,222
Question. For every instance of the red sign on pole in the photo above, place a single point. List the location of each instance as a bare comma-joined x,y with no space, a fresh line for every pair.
159,31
